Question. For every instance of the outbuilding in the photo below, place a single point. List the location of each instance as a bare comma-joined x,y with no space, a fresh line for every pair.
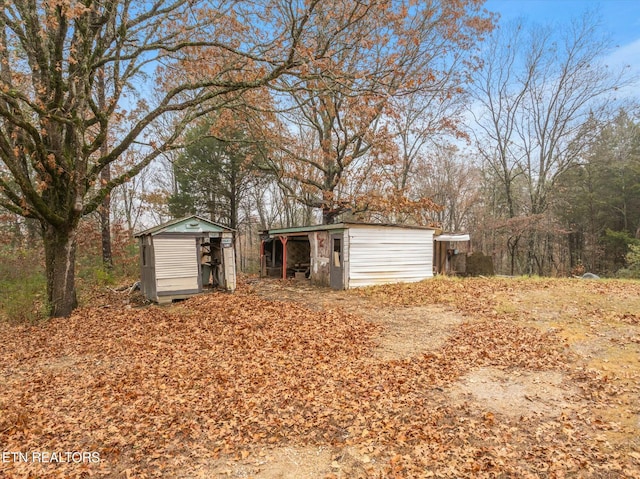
450,255
184,257
348,255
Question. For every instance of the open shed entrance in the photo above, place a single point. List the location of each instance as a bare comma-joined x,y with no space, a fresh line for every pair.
211,271
286,256
450,254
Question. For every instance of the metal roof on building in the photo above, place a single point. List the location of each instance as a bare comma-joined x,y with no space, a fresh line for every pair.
338,226
453,237
190,224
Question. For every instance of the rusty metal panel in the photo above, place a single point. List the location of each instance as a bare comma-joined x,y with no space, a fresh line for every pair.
379,255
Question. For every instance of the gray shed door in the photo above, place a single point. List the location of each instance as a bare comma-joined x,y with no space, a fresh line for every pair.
336,270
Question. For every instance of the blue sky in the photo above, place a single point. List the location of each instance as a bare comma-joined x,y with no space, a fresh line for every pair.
620,19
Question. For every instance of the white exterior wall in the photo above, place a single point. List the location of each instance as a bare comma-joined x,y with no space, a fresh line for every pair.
176,264
379,255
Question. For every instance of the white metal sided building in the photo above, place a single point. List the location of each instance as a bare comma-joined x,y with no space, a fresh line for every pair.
183,257
348,255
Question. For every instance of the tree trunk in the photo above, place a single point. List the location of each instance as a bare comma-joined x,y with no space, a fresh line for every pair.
105,177
60,255
531,244
512,246
17,238
329,215
105,225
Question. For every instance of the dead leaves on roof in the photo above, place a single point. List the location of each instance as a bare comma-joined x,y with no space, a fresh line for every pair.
155,391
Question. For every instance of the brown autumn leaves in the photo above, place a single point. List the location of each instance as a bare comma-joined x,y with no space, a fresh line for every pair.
170,392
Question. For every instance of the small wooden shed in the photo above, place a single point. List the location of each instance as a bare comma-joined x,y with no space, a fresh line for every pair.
451,250
184,257
348,255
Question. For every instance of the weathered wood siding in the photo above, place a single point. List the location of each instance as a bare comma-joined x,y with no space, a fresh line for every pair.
379,255
319,256
176,264
147,270
229,264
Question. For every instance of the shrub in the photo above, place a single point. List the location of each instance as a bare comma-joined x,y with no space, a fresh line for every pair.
22,286
632,271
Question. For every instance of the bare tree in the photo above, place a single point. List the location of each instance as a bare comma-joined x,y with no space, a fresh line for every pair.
453,182
425,119
538,99
105,178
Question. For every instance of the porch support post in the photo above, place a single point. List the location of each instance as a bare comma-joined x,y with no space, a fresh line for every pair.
283,240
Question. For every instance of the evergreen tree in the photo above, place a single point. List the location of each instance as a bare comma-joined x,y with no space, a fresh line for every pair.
213,174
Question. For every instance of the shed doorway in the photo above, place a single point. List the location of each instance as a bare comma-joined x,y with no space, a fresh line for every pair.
336,270
286,256
211,273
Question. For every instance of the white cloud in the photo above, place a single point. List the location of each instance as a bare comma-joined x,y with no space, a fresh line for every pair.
627,57
624,55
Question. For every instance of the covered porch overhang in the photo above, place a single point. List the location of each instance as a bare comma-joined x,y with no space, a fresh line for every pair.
283,254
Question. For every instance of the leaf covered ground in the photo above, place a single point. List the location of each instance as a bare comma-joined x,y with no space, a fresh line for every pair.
533,378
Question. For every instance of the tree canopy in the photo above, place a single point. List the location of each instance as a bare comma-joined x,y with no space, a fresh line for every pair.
164,64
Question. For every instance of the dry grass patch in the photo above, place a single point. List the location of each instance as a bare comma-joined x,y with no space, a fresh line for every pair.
413,331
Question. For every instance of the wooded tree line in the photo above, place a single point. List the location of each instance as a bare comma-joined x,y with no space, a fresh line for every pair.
546,114
544,173
286,112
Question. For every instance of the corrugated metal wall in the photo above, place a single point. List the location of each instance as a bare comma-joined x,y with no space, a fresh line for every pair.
176,264
379,255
